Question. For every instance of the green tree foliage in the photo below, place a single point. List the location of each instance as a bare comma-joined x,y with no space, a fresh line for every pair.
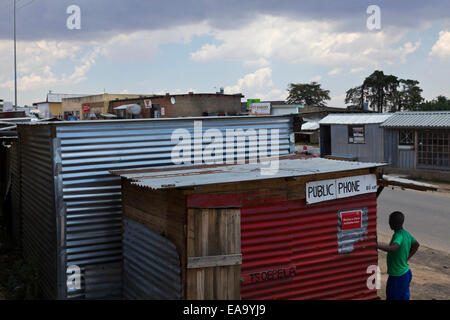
309,94
439,103
385,93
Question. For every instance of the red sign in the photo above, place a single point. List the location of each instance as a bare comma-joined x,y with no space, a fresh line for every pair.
351,220
86,107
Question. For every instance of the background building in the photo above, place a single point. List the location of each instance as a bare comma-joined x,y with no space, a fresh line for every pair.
356,136
419,140
52,106
179,105
92,106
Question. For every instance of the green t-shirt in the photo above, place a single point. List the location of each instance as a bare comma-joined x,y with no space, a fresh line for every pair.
397,261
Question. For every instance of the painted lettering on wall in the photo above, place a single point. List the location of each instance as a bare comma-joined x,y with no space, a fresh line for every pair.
270,275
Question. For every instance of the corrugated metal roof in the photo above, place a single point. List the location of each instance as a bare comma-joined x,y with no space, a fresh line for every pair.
419,119
205,175
355,118
313,125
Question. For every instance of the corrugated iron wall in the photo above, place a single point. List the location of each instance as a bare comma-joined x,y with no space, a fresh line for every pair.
87,206
371,151
151,264
14,161
395,157
37,206
290,251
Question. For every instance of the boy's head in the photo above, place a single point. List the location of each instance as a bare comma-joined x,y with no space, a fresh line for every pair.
396,220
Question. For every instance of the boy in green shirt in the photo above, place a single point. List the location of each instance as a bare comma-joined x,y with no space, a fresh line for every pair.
401,248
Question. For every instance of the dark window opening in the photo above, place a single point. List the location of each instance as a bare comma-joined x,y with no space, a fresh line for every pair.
406,137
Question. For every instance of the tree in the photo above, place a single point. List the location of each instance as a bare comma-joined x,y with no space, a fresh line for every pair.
439,103
408,96
385,93
380,88
355,97
308,94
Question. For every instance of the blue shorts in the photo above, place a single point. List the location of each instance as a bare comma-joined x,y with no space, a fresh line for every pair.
397,288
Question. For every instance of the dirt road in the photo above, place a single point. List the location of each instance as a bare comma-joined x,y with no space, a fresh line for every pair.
430,269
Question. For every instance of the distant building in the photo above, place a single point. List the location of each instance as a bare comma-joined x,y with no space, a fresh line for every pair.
90,107
405,140
52,106
418,140
177,105
354,136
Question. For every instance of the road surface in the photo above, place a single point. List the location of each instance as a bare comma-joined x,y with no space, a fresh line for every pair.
427,215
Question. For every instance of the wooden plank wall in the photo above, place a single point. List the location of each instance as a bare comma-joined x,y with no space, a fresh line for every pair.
279,189
214,254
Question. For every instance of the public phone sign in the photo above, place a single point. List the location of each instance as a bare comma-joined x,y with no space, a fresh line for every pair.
351,220
324,190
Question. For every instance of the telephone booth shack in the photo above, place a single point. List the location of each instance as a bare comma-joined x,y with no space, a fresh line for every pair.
306,230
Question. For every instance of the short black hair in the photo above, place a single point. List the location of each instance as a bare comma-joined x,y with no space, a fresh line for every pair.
397,218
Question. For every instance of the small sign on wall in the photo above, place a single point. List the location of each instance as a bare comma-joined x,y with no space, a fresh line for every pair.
351,220
260,109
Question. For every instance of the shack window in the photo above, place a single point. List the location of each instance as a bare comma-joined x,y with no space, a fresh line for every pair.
433,148
406,137
356,134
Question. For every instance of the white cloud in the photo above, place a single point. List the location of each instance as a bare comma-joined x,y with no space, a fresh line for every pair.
335,71
337,101
315,42
259,79
357,70
38,60
441,48
258,84
315,78
145,44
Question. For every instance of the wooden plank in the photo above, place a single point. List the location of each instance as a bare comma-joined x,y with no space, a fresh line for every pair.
222,283
209,283
204,235
200,294
214,261
191,233
212,232
191,284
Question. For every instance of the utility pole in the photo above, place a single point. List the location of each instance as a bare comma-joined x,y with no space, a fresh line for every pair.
15,60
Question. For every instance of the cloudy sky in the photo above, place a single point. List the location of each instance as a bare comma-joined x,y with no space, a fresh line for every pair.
256,47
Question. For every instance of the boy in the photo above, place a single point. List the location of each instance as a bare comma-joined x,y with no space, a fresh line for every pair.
401,248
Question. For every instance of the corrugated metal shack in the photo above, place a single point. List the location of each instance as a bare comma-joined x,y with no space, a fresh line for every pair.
356,136
418,140
230,232
70,205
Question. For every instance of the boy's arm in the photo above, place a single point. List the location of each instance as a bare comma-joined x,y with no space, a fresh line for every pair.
413,250
388,248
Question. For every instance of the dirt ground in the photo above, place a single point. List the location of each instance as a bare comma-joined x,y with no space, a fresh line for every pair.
430,269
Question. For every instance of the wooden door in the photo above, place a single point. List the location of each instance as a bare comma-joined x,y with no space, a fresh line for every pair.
214,254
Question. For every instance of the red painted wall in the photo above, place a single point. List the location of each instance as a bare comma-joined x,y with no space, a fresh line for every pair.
290,251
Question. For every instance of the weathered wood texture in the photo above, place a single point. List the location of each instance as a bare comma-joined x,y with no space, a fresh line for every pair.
252,192
213,236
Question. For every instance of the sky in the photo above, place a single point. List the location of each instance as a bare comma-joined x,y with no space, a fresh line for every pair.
253,47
